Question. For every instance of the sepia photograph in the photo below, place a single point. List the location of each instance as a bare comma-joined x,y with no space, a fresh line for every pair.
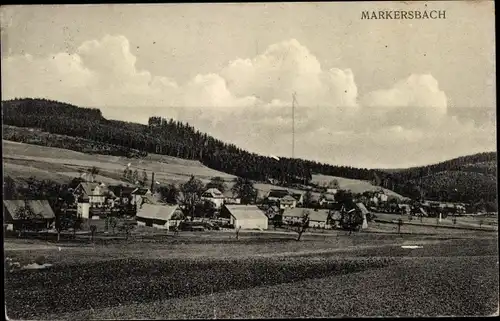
249,160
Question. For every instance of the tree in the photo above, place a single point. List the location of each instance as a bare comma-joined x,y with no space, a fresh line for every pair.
244,189
302,226
351,218
144,179
25,216
334,184
205,209
135,177
169,194
218,183
126,227
9,188
127,175
308,197
93,171
113,222
191,191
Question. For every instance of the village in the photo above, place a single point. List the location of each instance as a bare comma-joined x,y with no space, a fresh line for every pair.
86,206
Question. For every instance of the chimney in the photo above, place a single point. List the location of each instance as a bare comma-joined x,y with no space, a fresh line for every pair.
152,182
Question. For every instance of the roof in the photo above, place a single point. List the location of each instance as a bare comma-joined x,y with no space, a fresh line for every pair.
88,187
141,191
39,207
329,197
320,215
279,193
156,211
362,207
297,196
288,198
245,212
423,211
214,192
124,190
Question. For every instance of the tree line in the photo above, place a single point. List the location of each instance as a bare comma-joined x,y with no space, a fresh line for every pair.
177,139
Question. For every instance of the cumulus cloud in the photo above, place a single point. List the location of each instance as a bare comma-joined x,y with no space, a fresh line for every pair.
248,102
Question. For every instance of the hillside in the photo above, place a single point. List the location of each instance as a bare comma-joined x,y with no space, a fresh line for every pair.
51,123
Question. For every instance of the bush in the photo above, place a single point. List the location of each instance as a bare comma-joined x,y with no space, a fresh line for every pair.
40,260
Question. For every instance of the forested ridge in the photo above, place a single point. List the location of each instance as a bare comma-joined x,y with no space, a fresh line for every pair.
174,138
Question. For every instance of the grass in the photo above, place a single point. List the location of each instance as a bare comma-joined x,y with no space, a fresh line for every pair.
445,277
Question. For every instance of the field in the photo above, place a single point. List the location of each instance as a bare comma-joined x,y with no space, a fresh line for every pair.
260,275
356,186
24,160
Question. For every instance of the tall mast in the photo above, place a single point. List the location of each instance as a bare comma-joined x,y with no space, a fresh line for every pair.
293,126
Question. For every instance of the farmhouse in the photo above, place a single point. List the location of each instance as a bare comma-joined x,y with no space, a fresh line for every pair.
317,218
159,216
287,201
138,194
327,199
215,196
37,212
275,195
95,193
245,216
122,193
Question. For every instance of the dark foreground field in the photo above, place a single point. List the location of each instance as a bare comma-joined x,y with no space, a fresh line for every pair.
444,277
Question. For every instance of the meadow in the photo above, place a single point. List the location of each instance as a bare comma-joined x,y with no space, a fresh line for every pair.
213,274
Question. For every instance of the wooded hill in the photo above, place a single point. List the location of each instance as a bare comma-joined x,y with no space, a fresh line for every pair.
174,138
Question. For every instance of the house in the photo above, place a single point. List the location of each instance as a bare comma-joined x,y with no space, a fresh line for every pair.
123,193
287,201
139,193
215,196
318,218
404,208
43,214
299,197
275,195
95,193
159,215
245,216
327,199
332,191
230,198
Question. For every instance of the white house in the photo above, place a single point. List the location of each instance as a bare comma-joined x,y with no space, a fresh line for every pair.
245,216
95,193
215,196
159,215
287,201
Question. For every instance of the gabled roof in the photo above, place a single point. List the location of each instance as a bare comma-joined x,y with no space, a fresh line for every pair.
297,196
214,192
156,211
39,207
88,187
320,215
245,212
278,193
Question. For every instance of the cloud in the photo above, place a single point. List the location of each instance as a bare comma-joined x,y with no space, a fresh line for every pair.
248,102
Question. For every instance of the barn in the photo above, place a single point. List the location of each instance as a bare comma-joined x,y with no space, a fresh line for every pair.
159,215
40,214
245,216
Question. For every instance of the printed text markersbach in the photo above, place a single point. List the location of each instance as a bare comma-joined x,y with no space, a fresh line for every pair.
403,14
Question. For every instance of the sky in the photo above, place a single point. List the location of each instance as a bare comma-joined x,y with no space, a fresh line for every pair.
370,93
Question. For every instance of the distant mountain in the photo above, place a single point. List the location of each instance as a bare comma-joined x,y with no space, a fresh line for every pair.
474,177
